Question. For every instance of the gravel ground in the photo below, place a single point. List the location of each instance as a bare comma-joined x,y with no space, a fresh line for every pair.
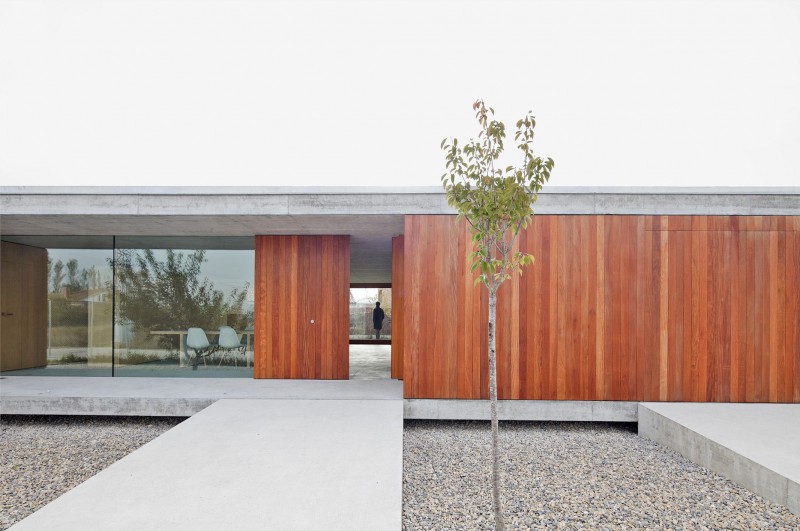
556,475
568,476
42,457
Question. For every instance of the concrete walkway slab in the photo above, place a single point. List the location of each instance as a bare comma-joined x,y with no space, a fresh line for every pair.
755,445
179,397
251,464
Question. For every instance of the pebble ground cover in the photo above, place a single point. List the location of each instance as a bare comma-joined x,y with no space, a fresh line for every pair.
568,476
42,457
556,475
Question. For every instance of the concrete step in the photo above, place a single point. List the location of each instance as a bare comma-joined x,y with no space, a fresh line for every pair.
174,397
755,445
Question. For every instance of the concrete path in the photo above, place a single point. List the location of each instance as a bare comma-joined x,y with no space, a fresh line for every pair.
251,464
755,445
179,397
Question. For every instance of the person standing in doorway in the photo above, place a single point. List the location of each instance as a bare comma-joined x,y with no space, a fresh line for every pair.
377,319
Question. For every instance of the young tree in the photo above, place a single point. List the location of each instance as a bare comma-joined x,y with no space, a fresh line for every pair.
497,203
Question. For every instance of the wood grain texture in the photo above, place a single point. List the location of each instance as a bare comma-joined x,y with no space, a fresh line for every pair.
657,308
299,279
23,300
398,304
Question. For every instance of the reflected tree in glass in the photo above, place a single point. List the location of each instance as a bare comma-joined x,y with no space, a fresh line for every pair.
170,293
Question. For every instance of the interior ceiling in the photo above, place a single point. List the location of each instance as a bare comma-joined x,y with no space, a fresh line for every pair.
370,235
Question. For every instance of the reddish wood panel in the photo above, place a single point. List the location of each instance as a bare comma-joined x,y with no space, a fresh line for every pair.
300,279
398,298
669,308
444,320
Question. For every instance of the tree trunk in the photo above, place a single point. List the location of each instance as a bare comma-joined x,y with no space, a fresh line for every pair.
498,509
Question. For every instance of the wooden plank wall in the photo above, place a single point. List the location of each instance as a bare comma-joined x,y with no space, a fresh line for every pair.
398,296
299,279
23,299
444,316
657,308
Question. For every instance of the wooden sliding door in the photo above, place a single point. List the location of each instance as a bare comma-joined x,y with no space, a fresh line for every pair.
302,319
23,298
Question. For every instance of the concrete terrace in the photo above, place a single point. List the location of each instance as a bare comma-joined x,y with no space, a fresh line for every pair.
172,397
75,395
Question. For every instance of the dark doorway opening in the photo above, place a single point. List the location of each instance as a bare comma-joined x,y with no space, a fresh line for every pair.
370,349
362,305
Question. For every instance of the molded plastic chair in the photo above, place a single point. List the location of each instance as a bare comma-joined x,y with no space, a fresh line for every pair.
197,340
229,344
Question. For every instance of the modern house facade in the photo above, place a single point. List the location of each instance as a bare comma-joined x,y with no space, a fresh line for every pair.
649,294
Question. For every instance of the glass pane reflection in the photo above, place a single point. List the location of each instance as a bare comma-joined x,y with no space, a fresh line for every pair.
163,291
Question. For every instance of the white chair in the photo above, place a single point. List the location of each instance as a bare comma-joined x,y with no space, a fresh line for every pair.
197,340
229,344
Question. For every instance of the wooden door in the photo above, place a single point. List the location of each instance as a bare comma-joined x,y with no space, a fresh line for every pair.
302,319
23,305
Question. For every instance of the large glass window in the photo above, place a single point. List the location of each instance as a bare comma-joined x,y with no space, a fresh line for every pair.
79,308
128,306
184,307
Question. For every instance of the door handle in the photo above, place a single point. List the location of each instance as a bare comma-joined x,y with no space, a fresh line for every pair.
7,314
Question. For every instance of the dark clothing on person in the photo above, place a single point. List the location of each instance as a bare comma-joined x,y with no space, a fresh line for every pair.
377,318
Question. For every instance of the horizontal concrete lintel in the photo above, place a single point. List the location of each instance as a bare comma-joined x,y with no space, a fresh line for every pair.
533,410
360,190
217,190
281,202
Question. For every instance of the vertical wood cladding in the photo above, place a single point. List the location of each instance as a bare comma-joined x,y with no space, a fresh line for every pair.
398,296
655,308
299,279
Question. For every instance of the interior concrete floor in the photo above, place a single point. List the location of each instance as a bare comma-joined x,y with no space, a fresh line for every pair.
370,362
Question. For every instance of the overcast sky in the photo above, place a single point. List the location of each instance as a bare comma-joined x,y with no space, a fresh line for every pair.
212,92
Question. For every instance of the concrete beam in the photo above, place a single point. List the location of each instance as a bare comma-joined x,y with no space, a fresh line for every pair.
344,201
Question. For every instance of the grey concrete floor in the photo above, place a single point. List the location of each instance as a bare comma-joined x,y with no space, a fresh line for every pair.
370,362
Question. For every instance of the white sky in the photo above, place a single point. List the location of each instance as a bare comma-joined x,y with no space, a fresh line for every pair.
212,92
